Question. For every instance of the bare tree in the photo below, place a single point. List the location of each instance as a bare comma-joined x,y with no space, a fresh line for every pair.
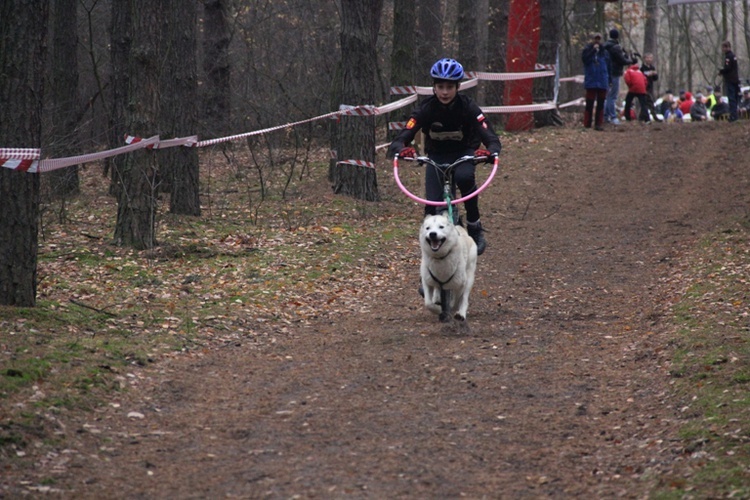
550,30
136,201
178,167
22,38
121,40
403,55
429,36
217,67
651,32
360,22
65,107
468,38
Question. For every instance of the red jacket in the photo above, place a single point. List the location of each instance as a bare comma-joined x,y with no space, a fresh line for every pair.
687,103
636,80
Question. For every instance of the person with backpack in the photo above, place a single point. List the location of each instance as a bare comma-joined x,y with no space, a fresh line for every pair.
618,61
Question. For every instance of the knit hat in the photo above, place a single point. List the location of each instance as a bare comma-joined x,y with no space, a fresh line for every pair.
613,33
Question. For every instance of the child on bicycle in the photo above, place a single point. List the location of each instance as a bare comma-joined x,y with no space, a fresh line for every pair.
453,126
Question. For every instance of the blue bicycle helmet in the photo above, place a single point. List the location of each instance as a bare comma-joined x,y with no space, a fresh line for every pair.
447,69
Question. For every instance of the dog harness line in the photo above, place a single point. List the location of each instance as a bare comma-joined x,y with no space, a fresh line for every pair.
441,283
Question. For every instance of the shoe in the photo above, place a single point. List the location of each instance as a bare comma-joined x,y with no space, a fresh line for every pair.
477,234
599,128
614,121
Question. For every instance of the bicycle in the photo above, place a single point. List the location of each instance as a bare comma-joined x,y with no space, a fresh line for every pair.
446,171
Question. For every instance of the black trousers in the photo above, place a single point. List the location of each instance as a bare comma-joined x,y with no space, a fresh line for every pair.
463,177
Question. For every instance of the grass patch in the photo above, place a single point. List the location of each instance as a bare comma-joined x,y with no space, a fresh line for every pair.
711,370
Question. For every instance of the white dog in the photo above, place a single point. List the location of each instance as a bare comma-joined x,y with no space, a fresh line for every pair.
449,261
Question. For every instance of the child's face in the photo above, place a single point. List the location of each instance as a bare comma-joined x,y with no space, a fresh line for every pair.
445,91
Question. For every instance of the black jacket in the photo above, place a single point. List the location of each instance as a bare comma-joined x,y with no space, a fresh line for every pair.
647,69
730,71
617,57
454,128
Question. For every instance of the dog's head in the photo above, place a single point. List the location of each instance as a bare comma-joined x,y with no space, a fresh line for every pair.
437,234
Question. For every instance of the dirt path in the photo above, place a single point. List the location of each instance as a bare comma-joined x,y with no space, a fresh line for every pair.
558,388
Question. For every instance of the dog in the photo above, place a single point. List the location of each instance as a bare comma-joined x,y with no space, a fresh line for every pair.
449,262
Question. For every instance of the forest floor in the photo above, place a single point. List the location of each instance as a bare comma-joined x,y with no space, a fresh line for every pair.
582,371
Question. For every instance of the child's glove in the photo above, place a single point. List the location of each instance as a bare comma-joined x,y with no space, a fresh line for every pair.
489,157
408,153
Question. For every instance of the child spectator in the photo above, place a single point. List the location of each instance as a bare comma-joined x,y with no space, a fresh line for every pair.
698,111
666,102
637,83
673,114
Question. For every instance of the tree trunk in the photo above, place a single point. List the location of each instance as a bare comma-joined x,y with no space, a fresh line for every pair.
178,167
121,40
497,39
216,65
136,203
22,37
429,37
360,22
403,55
468,38
64,114
651,34
549,44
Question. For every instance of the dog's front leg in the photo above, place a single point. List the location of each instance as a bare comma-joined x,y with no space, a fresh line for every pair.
463,304
431,297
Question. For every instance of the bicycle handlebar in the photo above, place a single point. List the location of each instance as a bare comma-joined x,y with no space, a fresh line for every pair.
424,159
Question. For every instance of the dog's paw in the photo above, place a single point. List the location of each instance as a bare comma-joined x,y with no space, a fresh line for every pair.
445,317
459,317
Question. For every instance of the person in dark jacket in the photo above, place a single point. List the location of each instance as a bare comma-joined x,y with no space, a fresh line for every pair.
596,80
698,111
648,69
454,126
618,60
731,74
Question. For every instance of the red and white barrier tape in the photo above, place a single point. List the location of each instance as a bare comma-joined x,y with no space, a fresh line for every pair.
28,159
21,159
541,67
359,163
20,153
497,77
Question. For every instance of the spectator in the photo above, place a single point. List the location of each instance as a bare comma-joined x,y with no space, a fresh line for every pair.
698,111
618,61
637,83
596,80
710,98
731,74
745,104
721,111
686,103
673,114
666,102
649,70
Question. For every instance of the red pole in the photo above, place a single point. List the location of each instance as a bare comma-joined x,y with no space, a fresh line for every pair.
524,21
